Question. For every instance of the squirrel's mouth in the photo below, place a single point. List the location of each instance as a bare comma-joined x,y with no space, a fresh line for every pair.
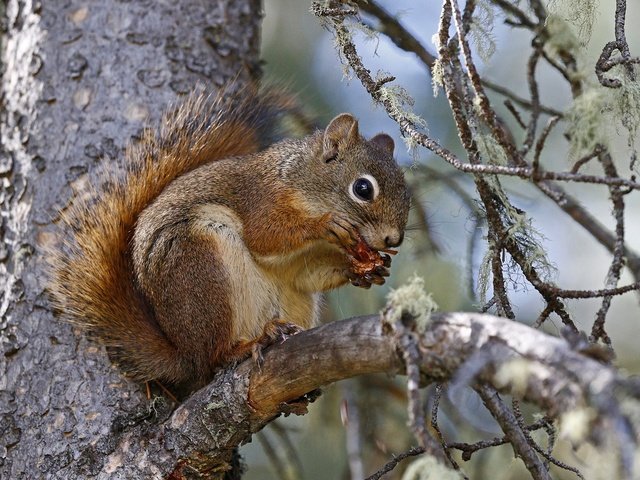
367,259
362,249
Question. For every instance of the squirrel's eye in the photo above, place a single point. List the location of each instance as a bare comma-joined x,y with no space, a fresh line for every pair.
364,189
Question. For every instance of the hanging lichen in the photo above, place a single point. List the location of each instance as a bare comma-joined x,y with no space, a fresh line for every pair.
580,14
587,123
625,106
481,31
599,114
437,76
490,150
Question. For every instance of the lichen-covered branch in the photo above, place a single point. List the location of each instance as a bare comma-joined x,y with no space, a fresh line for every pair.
201,434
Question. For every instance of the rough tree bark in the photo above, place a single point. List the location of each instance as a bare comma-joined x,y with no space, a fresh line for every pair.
80,79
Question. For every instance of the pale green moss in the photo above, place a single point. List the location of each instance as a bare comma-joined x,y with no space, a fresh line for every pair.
516,374
600,112
588,121
413,299
368,32
625,105
562,39
518,228
518,225
401,102
602,462
428,467
575,425
437,76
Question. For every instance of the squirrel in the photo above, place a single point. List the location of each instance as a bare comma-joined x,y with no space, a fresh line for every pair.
217,240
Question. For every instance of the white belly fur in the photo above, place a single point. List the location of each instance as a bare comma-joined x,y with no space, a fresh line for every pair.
259,291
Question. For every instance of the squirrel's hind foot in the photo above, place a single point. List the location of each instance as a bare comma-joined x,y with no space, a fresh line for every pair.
274,331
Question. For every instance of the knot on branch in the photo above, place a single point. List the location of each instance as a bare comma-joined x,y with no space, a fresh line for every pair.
606,62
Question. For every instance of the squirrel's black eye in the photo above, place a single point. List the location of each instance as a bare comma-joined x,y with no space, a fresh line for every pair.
364,189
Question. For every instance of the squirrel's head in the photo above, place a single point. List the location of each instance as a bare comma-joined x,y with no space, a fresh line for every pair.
366,184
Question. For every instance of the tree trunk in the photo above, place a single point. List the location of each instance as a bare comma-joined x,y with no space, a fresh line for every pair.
80,81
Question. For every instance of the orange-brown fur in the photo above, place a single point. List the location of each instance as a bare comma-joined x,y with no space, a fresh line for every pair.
180,266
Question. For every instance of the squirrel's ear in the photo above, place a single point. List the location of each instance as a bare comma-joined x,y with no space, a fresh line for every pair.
341,131
384,142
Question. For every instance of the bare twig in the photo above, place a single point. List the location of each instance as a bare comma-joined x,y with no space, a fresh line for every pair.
613,275
542,140
488,113
535,98
545,454
279,464
392,28
519,100
351,421
434,424
517,438
515,113
605,292
585,159
389,466
514,11
468,449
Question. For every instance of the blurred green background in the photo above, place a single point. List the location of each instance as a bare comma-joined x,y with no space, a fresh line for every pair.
300,53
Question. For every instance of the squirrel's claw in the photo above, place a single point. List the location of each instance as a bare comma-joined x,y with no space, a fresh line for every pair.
278,330
383,271
256,354
274,331
364,281
374,278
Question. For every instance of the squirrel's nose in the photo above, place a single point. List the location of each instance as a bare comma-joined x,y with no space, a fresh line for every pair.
394,239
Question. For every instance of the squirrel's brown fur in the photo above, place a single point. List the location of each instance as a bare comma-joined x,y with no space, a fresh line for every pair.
151,268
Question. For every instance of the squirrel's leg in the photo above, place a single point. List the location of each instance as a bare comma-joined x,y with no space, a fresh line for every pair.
188,286
210,297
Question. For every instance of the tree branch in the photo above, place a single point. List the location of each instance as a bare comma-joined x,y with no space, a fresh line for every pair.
199,437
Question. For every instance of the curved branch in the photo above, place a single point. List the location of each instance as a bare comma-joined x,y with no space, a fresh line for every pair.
200,436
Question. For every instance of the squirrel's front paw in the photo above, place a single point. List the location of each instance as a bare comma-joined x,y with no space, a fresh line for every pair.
365,280
367,266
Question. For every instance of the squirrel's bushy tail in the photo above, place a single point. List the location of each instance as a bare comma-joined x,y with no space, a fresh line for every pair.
91,275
